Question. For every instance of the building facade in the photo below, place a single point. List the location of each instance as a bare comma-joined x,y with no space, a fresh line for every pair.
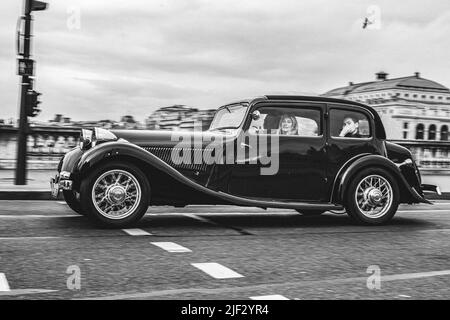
415,112
179,117
168,118
45,147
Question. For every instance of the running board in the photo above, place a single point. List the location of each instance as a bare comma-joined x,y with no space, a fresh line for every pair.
278,204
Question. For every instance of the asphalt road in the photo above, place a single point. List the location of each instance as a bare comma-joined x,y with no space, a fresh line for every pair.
221,252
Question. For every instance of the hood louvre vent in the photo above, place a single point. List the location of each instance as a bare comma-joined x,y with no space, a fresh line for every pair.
190,157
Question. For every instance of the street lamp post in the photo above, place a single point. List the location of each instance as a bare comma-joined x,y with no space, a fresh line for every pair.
26,71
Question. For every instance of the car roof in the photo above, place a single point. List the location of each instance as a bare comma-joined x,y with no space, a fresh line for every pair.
316,98
299,98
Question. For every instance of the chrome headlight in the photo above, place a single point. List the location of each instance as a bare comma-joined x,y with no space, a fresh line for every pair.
102,135
91,138
85,139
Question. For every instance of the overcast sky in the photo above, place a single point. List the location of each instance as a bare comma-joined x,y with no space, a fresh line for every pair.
134,56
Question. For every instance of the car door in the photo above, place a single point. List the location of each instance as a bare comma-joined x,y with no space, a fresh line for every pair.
350,134
300,173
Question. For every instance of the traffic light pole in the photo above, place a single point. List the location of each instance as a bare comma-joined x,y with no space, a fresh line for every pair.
21,161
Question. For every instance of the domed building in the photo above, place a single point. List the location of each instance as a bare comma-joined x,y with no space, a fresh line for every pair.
415,112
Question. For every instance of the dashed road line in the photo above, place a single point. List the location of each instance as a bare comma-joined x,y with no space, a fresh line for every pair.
424,211
136,232
269,297
267,286
171,247
4,286
216,270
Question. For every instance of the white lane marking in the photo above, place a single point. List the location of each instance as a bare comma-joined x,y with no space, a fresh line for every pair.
425,210
274,286
19,292
37,216
171,247
4,286
435,230
403,296
136,232
28,238
216,270
270,297
417,275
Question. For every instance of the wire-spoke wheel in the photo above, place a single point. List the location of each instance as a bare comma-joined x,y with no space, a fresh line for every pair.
372,196
116,194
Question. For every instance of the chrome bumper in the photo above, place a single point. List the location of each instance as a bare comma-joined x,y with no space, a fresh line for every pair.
431,188
60,182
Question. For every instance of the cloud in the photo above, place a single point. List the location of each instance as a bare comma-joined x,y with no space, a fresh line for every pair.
136,56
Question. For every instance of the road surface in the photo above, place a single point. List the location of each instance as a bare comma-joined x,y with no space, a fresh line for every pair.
223,252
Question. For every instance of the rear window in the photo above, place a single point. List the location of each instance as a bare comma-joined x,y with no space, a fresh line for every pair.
349,124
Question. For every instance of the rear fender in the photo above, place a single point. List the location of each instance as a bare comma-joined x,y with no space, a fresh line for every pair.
408,193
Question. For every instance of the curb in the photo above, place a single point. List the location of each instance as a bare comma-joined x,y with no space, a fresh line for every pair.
28,195
443,196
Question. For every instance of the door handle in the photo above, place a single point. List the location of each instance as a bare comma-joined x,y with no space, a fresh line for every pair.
245,145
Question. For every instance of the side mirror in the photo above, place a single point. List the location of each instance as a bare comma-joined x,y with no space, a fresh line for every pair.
256,115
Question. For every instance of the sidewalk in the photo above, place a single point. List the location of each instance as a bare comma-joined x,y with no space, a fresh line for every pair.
37,187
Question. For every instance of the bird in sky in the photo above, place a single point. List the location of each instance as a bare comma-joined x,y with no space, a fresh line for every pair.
366,23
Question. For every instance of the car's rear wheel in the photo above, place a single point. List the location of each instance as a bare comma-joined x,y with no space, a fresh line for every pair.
72,201
116,194
372,197
310,212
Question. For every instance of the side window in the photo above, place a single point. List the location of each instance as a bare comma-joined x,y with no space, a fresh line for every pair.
349,124
301,121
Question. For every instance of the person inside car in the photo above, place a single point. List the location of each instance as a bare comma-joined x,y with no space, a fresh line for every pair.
350,127
288,125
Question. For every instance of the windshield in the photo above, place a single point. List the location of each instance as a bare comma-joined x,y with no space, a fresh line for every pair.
229,117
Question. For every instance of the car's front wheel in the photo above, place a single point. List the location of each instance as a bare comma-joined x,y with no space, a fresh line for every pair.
372,197
116,194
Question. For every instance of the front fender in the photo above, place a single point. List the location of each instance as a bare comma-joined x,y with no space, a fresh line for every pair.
115,149
409,194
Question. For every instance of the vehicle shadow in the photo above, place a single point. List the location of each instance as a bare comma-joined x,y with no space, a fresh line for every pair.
273,221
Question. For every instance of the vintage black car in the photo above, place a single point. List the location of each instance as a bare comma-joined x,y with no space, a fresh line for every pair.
311,154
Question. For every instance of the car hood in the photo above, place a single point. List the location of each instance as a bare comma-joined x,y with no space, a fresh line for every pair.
160,138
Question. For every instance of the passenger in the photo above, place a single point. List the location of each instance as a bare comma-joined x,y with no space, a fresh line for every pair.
350,127
288,125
